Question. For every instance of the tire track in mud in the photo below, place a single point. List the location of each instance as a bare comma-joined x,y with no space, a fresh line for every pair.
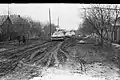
42,52
21,50
52,53
23,54
15,58
37,53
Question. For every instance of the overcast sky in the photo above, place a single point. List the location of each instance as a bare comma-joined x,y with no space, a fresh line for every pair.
69,14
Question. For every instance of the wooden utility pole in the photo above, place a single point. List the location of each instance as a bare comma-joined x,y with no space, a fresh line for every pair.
85,12
58,21
8,25
50,21
8,9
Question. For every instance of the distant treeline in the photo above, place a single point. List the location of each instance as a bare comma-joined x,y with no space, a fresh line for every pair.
16,25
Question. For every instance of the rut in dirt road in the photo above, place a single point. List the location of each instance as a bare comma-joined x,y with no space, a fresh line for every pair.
46,54
11,58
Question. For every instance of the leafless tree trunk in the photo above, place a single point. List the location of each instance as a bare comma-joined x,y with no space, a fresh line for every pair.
101,18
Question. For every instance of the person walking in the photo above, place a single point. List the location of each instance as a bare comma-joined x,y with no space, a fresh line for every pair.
24,39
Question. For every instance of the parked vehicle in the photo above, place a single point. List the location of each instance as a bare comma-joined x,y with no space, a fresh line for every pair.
61,35
69,33
58,35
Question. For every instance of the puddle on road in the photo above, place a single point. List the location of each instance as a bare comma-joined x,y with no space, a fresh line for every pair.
2,49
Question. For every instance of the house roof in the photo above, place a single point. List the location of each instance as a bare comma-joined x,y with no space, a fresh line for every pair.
7,21
13,18
3,18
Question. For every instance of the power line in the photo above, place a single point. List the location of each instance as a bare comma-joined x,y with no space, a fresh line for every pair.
85,9
100,8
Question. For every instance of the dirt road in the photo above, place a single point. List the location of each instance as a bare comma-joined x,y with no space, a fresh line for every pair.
35,59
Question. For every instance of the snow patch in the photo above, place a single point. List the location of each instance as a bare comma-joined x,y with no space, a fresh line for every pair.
95,71
81,41
2,49
116,45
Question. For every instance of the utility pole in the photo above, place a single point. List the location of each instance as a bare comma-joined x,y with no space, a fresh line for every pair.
8,10
58,24
50,21
58,21
85,13
8,25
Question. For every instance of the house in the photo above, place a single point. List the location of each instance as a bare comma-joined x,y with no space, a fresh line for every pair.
11,24
116,34
6,28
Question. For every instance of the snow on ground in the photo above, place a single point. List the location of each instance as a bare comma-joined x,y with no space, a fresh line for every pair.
96,71
116,45
2,49
81,41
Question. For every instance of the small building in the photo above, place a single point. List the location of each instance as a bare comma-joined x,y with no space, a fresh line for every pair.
6,28
117,31
13,24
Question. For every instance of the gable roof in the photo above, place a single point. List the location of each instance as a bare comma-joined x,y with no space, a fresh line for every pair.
4,18
16,22
8,21
12,18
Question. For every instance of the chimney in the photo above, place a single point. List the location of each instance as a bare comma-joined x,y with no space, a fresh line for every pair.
18,15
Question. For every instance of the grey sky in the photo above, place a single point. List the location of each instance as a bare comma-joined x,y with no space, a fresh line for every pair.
69,14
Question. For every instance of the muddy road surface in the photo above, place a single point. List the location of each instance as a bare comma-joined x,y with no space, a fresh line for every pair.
34,59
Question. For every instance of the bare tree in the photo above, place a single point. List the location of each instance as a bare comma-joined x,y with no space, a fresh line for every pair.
100,18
